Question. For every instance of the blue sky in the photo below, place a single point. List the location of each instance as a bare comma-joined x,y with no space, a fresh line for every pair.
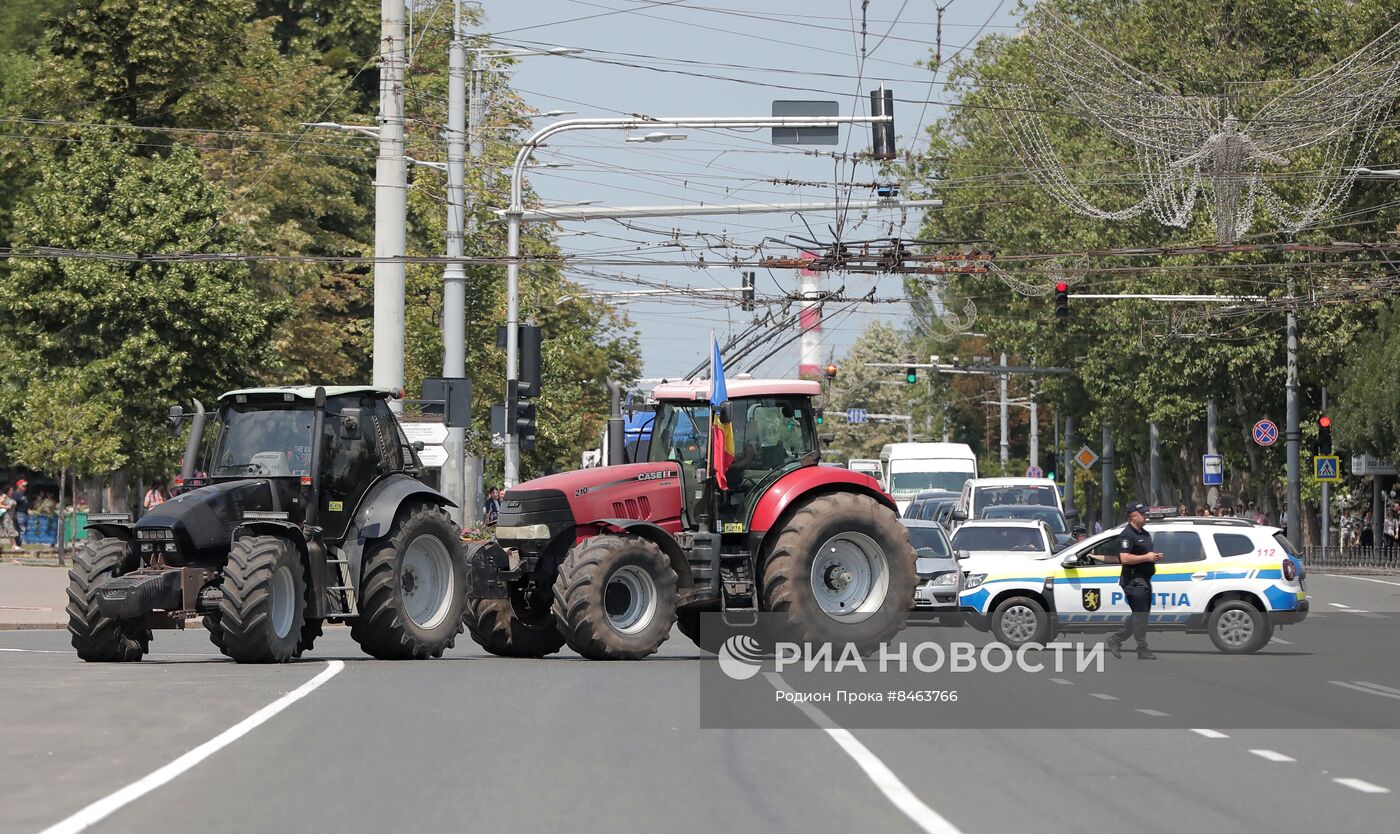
777,49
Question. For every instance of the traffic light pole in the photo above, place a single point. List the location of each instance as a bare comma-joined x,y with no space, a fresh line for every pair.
1326,491
516,211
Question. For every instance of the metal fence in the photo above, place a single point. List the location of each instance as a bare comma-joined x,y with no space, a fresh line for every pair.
1352,558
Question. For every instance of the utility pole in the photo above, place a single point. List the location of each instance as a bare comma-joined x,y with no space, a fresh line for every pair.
1069,464
1109,487
390,204
1035,430
1292,431
1154,464
1212,448
1326,493
454,278
1005,442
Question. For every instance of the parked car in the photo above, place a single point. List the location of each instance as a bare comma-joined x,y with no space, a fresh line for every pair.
934,505
987,544
940,577
980,493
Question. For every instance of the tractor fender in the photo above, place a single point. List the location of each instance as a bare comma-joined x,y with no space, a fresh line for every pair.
652,533
377,510
808,482
312,553
112,529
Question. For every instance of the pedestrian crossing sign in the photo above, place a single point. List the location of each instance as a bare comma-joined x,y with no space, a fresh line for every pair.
1327,468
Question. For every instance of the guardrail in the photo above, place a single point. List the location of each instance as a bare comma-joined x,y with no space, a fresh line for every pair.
1352,558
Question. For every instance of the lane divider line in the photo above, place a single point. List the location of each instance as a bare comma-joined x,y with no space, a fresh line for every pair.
1281,641
927,819
1102,697
1273,756
1363,579
105,807
1155,713
1361,785
1369,688
1063,681
1340,605
1210,733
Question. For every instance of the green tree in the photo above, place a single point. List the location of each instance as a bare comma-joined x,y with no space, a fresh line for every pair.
151,332
67,425
859,386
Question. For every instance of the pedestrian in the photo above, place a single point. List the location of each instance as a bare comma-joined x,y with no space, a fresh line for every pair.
493,505
1079,533
19,511
1390,530
1139,561
1182,511
7,522
156,495
1204,511
1368,536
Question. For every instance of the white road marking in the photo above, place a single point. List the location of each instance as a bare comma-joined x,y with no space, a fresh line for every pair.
889,784
1210,733
105,807
1340,605
1369,689
1361,785
1103,697
1273,756
1155,713
1281,641
1363,579
1063,681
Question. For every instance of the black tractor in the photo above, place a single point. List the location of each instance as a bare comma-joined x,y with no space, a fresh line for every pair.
306,509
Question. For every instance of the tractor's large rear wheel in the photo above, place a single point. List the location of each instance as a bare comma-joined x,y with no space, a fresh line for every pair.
99,638
414,589
615,598
521,625
842,571
263,609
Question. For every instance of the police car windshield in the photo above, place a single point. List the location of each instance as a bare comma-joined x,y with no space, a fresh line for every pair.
1018,539
1049,515
925,539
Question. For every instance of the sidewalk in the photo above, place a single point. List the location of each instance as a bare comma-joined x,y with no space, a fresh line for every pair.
33,593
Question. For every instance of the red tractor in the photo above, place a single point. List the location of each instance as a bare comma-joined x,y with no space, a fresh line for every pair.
606,560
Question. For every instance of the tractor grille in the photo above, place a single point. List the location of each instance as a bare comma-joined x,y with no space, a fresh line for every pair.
536,506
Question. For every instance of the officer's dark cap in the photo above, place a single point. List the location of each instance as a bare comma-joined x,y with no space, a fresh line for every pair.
1137,507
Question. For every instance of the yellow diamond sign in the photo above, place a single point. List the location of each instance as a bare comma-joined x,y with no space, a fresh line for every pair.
1086,458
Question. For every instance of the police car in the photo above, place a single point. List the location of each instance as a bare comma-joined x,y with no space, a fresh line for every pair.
1225,577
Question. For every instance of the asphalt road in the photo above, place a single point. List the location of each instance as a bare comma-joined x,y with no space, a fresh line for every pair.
471,742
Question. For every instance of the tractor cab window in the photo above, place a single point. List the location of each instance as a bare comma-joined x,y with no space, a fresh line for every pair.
681,434
259,440
770,433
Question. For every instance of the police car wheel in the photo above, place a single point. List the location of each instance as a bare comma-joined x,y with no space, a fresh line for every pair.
1017,621
1236,627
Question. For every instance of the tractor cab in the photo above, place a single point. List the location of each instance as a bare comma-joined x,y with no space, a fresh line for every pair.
774,428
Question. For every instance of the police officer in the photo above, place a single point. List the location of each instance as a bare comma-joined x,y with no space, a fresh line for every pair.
1139,560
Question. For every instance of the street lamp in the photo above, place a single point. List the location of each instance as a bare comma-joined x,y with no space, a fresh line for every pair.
552,113
372,132
658,136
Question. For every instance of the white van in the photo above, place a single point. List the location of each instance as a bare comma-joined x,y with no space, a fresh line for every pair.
980,493
912,468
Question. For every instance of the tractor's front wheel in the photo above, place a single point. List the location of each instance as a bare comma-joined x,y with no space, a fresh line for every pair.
841,571
99,638
263,609
615,598
414,589
521,625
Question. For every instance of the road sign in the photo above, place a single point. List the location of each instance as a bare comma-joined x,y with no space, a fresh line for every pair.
807,135
857,415
1266,432
433,455
1367,465
1212,470
1034,471
1086,458
1327,468
430,434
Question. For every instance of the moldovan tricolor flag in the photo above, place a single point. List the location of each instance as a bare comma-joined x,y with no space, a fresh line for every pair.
721,432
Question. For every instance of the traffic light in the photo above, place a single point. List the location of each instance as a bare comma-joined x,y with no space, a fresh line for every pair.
525,424
830,372
747,302
911,374
1049,466
1324,435
821,416
882,133
1061,302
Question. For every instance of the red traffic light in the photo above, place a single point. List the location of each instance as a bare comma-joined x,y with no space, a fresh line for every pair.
1325,421
831,371
1061,287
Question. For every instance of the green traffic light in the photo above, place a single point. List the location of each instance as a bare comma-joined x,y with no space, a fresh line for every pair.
911,377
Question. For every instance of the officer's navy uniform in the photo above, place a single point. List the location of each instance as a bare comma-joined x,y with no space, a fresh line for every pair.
1136,581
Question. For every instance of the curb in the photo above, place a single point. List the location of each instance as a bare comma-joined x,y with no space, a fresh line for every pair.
32,626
